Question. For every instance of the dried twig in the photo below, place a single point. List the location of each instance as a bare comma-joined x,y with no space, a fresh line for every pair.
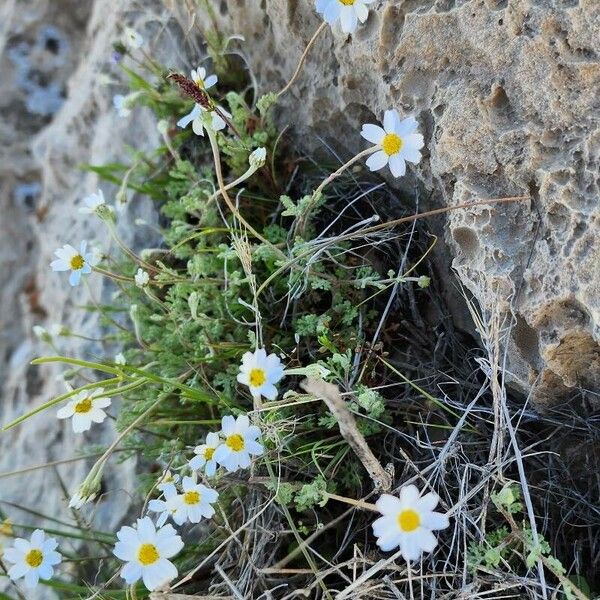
331,395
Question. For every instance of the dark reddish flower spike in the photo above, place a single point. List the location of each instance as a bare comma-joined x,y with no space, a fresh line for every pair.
190,89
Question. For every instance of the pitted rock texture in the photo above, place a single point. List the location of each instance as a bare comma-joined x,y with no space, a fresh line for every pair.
507,93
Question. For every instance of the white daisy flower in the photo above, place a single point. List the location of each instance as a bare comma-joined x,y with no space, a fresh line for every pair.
145,551
397,141
79,263
168,481
199,77
142,278
85,408
205,455
200,118
196,500
347,12
240,442
33,559
260,373
92,202
132,38
167,507
408,521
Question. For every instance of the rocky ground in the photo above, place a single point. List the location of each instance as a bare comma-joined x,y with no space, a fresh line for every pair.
508,96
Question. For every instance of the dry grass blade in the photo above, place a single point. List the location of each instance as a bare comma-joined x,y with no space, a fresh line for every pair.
331,395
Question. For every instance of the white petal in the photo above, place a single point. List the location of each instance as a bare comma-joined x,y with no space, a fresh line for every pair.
410,547
169,546
372,133
397,165
411,155
60,265
362,12
409,495
101,402
131,572
390,121
210,81
428,502
185,121
269,391
66,411
228,425
31,579
332,12
125,551
198,126
242,423
211,468
81,423
377,161
254,448
388,504
146,530
75,277
128,535
406,126
434,520
18,570
414,141
389,541
45,571
158,574
427,541
348,19
197,462
212,439
384,525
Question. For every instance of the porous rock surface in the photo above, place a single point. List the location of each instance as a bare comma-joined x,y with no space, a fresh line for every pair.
507,93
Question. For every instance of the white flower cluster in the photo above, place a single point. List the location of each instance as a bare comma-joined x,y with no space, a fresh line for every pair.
185,499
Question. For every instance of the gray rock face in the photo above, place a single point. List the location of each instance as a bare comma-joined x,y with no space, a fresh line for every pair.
56,114
508,97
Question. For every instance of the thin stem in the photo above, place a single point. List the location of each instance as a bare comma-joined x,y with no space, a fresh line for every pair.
313,39
317,193
229,202
352,502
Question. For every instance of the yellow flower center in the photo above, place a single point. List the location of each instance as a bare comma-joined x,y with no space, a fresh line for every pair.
409,520
34,558
199,82
392,143
148,554
191,497
77,262
208,453
235,442
257,377
84,406
347,2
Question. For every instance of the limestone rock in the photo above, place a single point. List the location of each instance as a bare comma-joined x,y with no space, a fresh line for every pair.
508,97
57,113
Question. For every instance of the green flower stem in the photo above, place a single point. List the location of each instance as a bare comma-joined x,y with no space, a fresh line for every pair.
230,204
303,220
